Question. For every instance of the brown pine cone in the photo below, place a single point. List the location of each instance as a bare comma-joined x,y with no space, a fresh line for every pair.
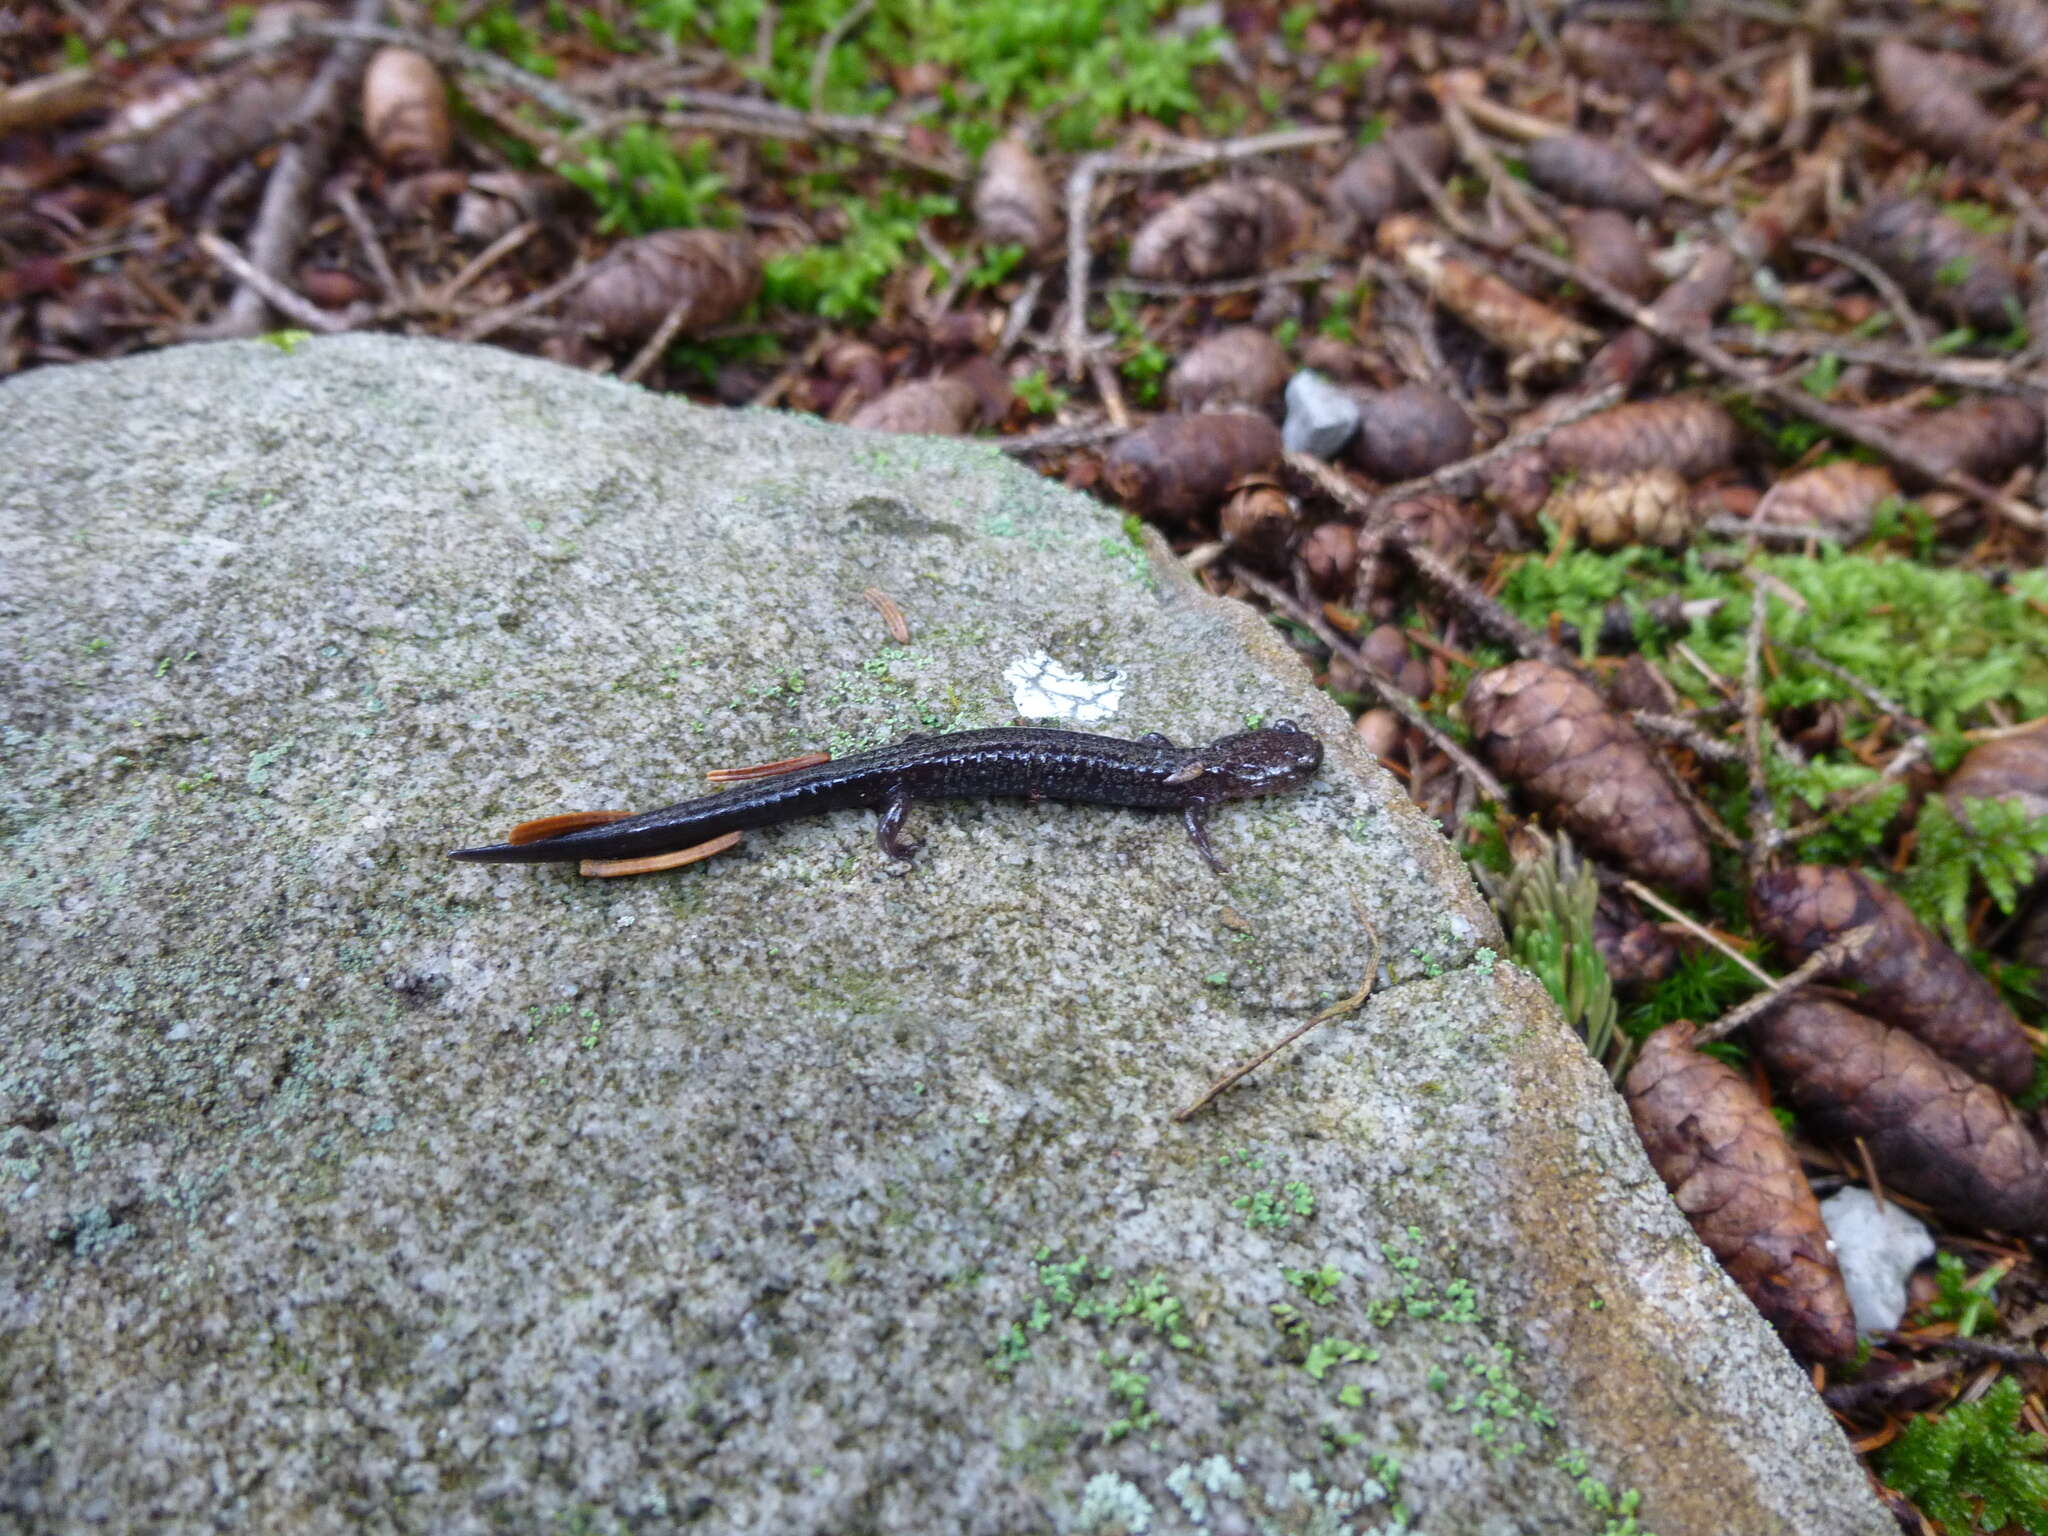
1540,727
1723,1156
1907,975
1934,1132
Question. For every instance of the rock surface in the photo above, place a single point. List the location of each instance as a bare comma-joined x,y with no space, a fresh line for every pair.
345,1188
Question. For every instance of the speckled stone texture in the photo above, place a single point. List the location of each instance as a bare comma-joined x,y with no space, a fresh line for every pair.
348,1189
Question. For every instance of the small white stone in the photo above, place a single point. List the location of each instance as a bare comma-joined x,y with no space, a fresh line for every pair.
1320,416
1877,1250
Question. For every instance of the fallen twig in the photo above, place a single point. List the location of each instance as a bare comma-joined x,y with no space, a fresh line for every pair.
1681,730
1079,434
1705,935
1390,692
270,290
1336,1010
1487,614
288,195
1823,960
1789,397
1895,300
1763,821
1091,168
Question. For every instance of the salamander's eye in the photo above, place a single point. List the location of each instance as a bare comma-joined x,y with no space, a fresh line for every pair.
1285,725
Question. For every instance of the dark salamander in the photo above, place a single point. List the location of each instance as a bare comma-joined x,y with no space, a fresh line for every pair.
1028,763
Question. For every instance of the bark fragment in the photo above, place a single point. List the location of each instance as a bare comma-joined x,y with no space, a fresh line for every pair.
1592,174
1907,975
1537,339
1722,1155
1242,366
1539,726
1942,265
1933,1131
1227,229
1178,466
712,274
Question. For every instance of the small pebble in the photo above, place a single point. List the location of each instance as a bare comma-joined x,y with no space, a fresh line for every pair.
1878,1251
1320,416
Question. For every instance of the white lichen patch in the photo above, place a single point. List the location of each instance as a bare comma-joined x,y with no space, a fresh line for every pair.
1109,1503
1045,689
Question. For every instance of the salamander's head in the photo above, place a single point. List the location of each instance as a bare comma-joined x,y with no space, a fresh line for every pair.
1280,757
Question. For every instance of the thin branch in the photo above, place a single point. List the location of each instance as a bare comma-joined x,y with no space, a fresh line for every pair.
664,333
1187,157
1225,286
1828,957
1350,1004
288,195
821,61
1969,1349
1763,821
1475,149
352,214
1390,692
1488,614
1999,376
486,259
1079,434
1681,730
1706,936
497,319
277,295
1507,447
1790,397
1882,702
1894,298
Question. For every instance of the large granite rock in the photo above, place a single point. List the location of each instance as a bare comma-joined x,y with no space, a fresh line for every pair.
348,1189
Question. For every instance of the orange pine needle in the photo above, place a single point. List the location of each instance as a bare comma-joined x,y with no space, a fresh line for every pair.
768,770
606,869
892,616
554,826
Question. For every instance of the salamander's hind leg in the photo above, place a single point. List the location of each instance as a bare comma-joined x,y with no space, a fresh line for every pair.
889,832
1192,816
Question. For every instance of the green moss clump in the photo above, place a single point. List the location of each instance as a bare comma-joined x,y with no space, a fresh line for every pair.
1972,1468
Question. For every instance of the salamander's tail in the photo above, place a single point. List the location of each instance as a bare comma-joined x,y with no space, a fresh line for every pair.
511,853
520,843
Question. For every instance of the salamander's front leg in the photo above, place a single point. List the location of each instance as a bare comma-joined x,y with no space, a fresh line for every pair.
1193,817
889,831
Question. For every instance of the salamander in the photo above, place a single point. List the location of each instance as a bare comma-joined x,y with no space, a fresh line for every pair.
1022,762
